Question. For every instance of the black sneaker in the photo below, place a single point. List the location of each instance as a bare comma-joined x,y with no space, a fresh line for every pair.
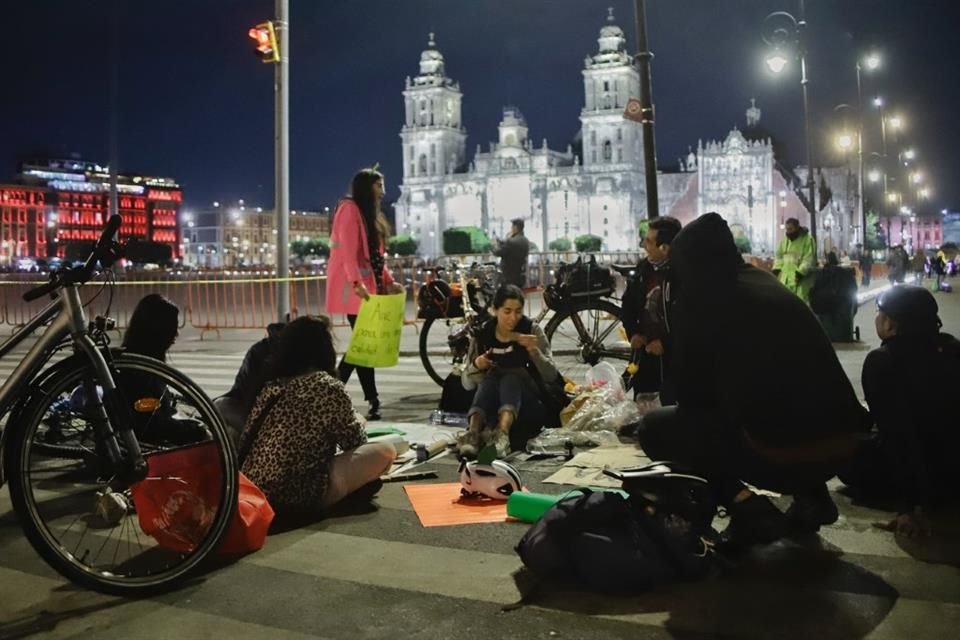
811,510
374,412
754,521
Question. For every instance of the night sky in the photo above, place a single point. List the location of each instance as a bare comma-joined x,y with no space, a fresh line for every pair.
196,105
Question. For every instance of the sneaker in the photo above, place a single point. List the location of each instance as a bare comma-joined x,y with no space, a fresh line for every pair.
468,444
374,412
754,521
501,441
811,510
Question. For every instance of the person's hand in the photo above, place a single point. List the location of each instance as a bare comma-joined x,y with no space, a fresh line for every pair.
637,342
914,524
527,341
396,287
483,362
361,290
655,348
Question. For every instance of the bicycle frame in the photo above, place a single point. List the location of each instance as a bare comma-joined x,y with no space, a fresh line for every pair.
68,319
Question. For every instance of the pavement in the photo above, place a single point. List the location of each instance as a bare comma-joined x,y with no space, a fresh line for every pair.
378,574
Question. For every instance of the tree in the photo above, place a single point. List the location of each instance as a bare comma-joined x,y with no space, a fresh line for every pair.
403,244
465,240
587,243
311,248
875,235
560,244
743,244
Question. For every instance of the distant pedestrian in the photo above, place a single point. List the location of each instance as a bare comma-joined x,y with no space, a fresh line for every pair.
866,266
513,253
796,259
918,264
897,265
357,266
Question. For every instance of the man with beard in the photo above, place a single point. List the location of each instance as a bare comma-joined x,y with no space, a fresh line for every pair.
761,395
796,259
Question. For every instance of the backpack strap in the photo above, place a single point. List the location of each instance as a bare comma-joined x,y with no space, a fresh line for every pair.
243,452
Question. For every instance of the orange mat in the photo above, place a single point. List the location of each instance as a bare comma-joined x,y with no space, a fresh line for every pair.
440,505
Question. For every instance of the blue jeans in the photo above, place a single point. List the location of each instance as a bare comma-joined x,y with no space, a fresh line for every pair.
510,390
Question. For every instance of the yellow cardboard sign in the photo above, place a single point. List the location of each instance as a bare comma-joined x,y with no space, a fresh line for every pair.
376,335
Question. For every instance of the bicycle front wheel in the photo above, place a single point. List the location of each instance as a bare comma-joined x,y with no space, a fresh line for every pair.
584,333
132,539
443,346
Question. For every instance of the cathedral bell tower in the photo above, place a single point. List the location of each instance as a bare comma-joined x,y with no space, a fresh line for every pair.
610,78
434,141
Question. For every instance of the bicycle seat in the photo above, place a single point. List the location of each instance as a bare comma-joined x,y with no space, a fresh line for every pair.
626,270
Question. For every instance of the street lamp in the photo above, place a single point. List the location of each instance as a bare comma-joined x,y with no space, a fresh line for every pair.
874,176
872,62
844,142
783,32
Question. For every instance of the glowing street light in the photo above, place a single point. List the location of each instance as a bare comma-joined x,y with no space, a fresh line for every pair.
878,102
874,176
909,154
892,196
896,122
777,62
924,193
845,141
916,177
872,61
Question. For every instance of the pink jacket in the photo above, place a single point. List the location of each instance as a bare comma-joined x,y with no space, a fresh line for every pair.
350,260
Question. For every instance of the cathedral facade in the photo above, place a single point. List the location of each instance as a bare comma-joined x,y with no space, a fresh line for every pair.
598,188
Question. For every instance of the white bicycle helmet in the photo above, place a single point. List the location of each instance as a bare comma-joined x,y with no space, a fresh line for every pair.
496,480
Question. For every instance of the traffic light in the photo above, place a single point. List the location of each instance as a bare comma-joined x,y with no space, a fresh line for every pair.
266,39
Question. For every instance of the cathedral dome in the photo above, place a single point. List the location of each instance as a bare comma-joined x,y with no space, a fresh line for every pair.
611,37
431,60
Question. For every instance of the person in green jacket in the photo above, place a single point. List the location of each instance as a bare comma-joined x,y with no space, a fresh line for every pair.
796,259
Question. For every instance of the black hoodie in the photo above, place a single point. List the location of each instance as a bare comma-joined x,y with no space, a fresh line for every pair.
253,371
749,349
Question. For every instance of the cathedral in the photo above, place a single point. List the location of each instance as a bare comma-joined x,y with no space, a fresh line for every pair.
597,188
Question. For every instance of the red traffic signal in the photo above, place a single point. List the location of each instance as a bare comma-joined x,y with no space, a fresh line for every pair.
266,40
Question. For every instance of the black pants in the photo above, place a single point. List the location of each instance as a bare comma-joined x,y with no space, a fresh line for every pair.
699,441
368,380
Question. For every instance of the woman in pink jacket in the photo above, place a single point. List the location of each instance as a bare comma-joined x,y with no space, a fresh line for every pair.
357,267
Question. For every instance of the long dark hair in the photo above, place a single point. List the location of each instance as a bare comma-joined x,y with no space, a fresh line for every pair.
305,345
507,292
361,191
153,327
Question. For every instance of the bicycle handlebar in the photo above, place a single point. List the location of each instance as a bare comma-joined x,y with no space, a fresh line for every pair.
101,253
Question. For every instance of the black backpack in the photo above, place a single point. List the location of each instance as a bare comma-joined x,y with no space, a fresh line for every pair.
606,542
454,398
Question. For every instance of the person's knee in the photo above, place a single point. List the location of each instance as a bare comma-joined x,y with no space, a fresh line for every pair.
385,452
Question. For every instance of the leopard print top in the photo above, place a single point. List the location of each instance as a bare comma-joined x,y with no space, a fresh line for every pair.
290,456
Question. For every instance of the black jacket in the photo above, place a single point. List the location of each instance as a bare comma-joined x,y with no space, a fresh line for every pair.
513,254
750,350
909,384
636,314
254,368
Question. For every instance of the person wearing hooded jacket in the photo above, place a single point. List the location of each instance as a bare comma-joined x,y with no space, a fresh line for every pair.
235,404
761,395
910,457
796,259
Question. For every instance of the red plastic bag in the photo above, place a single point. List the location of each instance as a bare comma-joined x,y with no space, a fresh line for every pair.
251,521
177,502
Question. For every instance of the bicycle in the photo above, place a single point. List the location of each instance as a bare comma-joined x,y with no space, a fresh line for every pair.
83,433
585,327
452,314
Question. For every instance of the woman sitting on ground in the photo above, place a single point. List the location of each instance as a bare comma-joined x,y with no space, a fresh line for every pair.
289,444
511,368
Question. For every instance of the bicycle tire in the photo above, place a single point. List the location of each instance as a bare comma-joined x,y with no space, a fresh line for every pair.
18,460
575,354
428,351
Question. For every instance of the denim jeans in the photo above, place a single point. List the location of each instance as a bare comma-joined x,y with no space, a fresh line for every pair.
515,391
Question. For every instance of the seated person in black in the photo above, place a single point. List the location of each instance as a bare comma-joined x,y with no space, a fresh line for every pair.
910,457
761,395
511,368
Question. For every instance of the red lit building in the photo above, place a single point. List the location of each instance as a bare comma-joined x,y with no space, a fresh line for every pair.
76,196
23,223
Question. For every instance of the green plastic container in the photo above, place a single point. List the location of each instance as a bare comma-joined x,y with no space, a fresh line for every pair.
530,507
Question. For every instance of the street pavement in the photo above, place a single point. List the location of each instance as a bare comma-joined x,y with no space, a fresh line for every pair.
378,574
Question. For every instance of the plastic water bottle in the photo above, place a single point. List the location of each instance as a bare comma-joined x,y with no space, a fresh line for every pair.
436,416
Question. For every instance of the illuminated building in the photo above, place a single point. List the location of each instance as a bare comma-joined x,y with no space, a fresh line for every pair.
23,223
76,194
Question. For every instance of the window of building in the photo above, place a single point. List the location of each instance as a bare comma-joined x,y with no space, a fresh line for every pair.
619,155
605,220
619,134
423,164
607,151
606,85
593,137
593,156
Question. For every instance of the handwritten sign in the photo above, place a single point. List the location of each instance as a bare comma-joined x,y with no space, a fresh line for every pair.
376,336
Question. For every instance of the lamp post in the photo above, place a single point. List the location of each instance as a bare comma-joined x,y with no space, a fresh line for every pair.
643,58
871,62
783,30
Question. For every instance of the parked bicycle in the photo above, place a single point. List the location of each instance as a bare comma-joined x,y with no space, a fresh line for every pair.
585,327
82,434
453,303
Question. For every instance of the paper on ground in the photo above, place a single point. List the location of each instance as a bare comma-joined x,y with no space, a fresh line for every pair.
586,469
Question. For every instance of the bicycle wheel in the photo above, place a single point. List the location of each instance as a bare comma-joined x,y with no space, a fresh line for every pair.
584,333
443,345
82,521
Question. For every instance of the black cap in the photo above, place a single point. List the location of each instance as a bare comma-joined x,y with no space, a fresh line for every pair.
914,309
